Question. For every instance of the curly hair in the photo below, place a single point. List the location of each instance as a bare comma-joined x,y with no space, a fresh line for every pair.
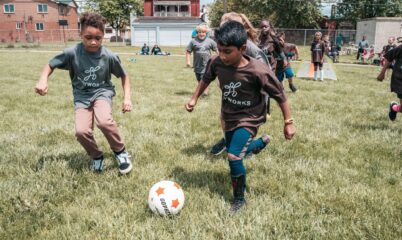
241,18
90,19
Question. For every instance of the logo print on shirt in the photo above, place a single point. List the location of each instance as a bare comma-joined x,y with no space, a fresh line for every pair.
91,72
231,89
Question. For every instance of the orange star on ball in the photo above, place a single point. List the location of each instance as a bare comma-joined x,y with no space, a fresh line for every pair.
160,191
175,203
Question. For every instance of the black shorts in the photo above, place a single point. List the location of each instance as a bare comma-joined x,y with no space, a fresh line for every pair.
319,64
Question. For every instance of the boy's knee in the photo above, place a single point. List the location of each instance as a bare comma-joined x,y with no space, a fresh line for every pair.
80,133
233,157
105,124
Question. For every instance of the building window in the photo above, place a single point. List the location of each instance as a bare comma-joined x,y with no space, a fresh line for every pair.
18,25
9,8
39,27
42,8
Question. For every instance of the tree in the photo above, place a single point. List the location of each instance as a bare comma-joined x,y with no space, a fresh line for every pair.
282,13
116,12
354,10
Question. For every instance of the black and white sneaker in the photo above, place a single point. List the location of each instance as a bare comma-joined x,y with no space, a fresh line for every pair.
236,206
293,87
392,113
123,160
97,164
219,147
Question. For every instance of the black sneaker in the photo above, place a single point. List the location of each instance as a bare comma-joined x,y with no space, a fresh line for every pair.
97,164
236,206
219,147
392,113
293,87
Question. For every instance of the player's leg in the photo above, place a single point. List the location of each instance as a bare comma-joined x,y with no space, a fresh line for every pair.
84,133
394,108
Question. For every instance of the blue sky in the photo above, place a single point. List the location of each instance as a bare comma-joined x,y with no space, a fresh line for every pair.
325,10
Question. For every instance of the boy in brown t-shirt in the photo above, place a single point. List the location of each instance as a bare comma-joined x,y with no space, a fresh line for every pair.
244,82
396,78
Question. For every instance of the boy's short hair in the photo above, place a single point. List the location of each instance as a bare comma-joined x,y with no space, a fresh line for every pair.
201,28
231,33
90,19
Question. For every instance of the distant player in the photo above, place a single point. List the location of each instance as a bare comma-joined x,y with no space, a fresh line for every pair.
201,47
394,55
317,55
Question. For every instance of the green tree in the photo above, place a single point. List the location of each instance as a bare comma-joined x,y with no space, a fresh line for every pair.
116,12
354,10
282,13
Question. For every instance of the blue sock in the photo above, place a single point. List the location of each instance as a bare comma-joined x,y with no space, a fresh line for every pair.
237,168
257,144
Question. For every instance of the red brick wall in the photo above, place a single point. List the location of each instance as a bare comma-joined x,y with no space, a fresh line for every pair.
24,9
195,7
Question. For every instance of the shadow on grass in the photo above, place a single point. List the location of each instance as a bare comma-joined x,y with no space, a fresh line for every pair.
380,126
76,161
184,93
195,150
217,182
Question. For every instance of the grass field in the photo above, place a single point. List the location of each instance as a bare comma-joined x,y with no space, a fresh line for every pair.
340,178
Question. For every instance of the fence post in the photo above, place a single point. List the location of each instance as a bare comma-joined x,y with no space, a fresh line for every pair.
305,37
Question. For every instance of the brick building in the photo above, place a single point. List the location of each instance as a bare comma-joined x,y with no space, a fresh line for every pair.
167,23
38,21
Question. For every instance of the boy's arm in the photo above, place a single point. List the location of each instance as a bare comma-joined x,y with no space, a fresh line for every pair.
289,129
197,93
381,75
41,87
127,105
188,56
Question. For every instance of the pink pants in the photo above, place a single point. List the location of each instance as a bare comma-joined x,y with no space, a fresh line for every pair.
101,111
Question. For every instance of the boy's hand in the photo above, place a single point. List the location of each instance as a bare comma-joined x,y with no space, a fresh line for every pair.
289,131
190,105
41,88
381,77
127,106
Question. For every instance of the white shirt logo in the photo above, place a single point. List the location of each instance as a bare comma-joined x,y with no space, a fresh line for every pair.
231,89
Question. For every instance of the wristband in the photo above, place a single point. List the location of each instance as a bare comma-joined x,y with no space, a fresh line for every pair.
289,121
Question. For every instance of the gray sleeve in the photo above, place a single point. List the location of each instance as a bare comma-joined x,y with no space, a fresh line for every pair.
60,61
116,67
253,51
189,47
213,45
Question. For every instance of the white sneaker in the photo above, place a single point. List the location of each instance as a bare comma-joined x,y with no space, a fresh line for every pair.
123,160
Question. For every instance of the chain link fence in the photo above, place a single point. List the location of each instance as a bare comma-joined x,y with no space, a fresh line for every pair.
301,37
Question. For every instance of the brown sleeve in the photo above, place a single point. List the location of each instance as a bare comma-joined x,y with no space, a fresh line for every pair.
271,85
210,73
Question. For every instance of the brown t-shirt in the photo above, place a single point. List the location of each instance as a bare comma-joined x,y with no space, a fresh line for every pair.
317,51
243,92
396,78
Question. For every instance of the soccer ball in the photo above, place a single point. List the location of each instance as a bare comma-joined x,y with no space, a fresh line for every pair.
166,198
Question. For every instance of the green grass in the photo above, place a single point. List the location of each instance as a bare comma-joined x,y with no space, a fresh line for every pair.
340,178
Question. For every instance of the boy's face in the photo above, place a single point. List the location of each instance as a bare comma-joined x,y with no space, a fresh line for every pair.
201,34
92,38
317,36
264,26
231,55
391,40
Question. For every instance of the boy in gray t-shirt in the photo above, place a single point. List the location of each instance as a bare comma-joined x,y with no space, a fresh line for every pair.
90,66
201,46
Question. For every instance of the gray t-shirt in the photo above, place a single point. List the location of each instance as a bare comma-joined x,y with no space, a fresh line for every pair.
202,52
90,73
254,51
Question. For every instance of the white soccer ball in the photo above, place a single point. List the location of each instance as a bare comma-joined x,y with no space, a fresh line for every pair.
166,198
